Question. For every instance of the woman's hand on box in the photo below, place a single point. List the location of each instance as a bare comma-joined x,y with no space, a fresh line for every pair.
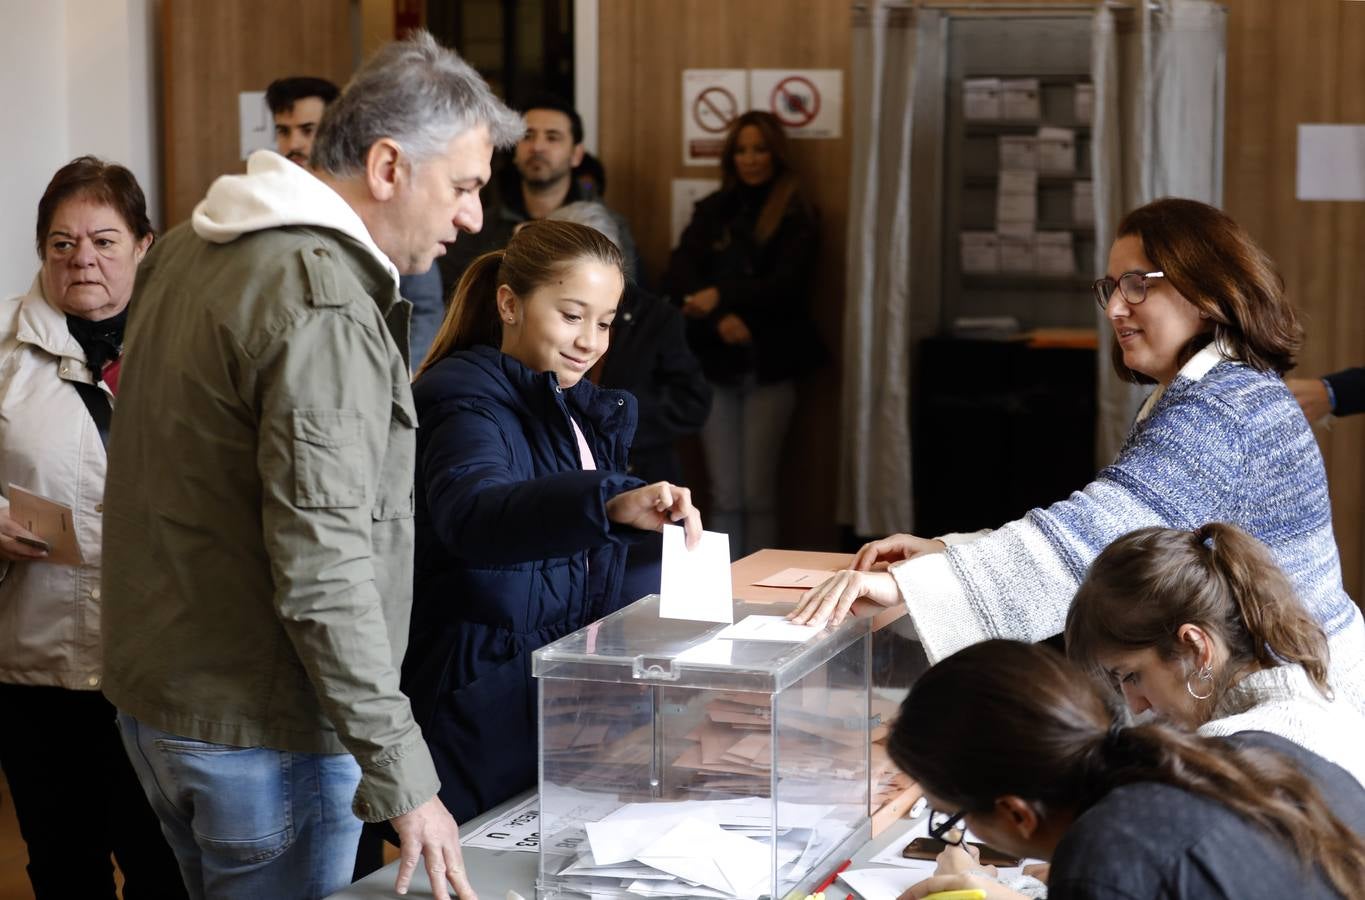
861,593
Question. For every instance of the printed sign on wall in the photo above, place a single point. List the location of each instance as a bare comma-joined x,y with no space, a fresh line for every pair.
809,102
712,98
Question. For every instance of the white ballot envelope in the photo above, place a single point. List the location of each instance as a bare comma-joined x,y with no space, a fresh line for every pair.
695,584
50,520
707,854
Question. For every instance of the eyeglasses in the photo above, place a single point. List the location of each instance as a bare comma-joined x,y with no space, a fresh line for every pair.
943,827
1132,285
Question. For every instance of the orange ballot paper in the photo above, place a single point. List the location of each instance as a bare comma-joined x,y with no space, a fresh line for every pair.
48,519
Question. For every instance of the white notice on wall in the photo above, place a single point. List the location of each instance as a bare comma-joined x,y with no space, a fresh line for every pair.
686,193
255,124
1331,162
711,99
809,102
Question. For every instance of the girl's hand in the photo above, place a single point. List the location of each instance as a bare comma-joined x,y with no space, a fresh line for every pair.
653,506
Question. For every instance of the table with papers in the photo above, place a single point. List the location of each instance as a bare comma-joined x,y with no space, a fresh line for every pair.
498,873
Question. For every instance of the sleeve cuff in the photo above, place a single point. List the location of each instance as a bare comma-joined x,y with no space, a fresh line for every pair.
938,606
397,785
961,537
1331,395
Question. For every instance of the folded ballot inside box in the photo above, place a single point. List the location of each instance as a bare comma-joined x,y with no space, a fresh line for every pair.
677,762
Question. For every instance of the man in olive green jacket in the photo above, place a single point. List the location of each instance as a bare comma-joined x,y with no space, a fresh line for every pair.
258,540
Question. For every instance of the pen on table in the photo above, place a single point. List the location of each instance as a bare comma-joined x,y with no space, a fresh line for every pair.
832,875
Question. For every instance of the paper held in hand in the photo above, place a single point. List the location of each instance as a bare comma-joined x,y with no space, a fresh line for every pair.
51,521
695,584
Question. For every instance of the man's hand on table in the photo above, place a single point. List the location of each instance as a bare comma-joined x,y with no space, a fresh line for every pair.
429,832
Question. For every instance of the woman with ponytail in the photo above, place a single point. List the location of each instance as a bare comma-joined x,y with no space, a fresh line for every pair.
1203,629
523,507
1013,742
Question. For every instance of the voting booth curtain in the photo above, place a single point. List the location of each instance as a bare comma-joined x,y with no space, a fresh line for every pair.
1159,77
892,281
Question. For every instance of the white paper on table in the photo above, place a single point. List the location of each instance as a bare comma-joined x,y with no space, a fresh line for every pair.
769,628
758,811
695,584
516,829
709,855
795,578
50,520
883,884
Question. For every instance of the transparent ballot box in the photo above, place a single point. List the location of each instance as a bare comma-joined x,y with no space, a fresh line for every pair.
675,763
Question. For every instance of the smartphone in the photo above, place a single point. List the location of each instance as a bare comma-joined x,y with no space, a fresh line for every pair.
35,544
930,848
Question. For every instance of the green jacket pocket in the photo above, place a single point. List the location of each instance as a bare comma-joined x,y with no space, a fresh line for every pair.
327,459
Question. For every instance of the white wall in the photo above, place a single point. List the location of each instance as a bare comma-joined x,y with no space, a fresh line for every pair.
76,76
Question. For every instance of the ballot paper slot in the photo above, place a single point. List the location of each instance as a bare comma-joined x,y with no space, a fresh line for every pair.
692,786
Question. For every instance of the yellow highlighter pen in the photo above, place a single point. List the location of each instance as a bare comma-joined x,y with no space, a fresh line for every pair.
966,894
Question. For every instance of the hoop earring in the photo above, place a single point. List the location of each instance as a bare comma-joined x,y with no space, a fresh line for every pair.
1205,676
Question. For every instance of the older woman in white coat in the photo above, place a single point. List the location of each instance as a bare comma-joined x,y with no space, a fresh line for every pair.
74,791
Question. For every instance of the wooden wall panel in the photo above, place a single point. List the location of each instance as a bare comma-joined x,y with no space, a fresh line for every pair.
645,46
1288,63
211,51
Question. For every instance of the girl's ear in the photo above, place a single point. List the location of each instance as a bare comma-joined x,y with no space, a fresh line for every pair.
1197,642
508,305
1017,815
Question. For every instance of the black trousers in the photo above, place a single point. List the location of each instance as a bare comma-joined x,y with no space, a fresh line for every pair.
78,800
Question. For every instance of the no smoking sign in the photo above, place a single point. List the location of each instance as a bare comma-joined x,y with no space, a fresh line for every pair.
714,109
808,102
795,101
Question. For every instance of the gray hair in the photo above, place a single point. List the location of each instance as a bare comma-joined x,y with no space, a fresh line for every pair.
593,215
417,93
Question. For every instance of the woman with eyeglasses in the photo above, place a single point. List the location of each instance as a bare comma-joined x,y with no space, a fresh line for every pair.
1013,741
1198,311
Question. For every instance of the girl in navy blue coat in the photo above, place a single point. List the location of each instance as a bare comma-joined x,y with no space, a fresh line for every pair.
524,510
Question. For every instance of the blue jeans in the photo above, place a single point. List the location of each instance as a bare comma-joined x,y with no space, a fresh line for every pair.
249,823
743,440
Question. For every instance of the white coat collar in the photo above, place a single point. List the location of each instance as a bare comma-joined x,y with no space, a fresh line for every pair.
1194,369
43,325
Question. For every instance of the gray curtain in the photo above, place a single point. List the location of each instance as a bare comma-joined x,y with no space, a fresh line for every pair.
886,268
1158,132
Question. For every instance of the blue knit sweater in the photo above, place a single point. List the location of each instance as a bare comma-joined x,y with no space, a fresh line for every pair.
1222,442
